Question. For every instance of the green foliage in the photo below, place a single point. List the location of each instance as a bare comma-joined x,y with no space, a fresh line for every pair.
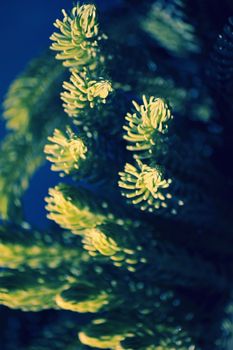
37,266
65,152
77,41
30,94
123,333
24,248
102,334
81,92
85,297
112,239
145,126
74,210
16,172
85,215
115,241
30,100
141,272
180,97
30,290
166,23
145,186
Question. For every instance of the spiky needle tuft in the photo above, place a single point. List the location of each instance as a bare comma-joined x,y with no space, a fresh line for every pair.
146,124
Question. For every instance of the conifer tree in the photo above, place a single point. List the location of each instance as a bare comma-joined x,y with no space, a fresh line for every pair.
142,242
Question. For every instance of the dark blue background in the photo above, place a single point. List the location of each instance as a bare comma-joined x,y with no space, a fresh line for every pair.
25,27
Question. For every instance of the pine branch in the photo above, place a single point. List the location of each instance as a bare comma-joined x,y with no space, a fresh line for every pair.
16,172
23,248
82,92
144,289
117,331
27,111
75,209
145,125
166,23
180,97
78,39
29,95
145,186
88,297
30,290
66,152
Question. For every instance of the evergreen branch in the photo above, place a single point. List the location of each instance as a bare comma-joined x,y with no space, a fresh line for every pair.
74,209
20,249
84,297
116,241
16,172
82,92
180,97
145,126
77,41
27,112
145,186
66,152
146,341
96,240
154,300
157,189
29,94
102,334
165,161
123,331
30,290
103,233
166,23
